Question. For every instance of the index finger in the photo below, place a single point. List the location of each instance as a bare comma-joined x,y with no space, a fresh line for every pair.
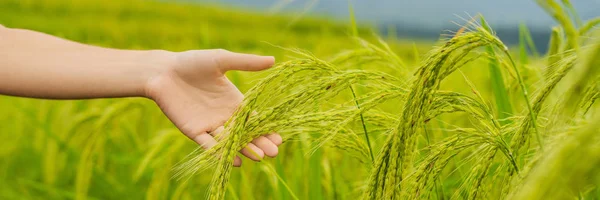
227,60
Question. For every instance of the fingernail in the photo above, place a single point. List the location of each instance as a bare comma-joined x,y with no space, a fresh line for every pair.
269,57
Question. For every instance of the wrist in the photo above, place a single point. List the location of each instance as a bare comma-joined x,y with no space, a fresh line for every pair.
158,62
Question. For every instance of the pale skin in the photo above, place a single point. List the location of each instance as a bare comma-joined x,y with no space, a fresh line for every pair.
189,87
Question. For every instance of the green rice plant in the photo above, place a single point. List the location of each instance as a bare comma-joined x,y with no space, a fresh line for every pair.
417,55
396,170
519,134
164,139
282,181
589,97
559,14
353,26
563,67
497,81
526,42
436,130
572,12
555,175
380,53
91,157
472,186
587,73
324,82
588,26
554,49
396,157
348,141
355,34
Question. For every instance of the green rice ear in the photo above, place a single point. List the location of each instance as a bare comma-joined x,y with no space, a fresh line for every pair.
589,26
555,175
560,15
554,49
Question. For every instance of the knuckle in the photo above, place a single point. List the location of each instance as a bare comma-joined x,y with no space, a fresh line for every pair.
218,56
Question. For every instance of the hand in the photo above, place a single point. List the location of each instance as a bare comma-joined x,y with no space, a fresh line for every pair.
196,96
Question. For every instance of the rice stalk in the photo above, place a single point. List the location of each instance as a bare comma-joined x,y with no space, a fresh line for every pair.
526,42
557,12
555,176
325,82
554,48
563,67
588,26
396,156
572,12
306,110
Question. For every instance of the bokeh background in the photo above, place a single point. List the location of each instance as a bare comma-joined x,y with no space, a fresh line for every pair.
126,148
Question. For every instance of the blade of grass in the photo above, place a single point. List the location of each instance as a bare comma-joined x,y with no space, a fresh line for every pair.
523,53
526,97
525,35
558,13
354,29
522,85
273,171
504,107
364,126
572,12
589,25
316,174
353,26
279,167
247,189
232,192
554,46
416,53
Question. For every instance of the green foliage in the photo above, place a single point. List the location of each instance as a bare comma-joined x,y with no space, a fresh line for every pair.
499,90
435,125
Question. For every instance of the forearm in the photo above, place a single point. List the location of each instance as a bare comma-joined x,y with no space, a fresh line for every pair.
38,65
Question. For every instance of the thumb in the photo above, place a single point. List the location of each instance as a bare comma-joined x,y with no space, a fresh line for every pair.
227,60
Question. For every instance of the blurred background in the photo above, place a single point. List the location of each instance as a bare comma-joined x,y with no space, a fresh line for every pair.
126,148
425,19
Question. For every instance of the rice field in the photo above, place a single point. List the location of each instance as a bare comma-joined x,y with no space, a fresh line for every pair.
362,116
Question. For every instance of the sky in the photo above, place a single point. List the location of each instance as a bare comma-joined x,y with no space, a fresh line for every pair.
434,14
425,19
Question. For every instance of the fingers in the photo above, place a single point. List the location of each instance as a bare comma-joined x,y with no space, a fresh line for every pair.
253,152
206,141
266,146
256,150
237,161
227,60
217,133
275,138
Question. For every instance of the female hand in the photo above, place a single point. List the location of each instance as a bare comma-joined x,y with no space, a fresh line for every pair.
190,87
196,96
